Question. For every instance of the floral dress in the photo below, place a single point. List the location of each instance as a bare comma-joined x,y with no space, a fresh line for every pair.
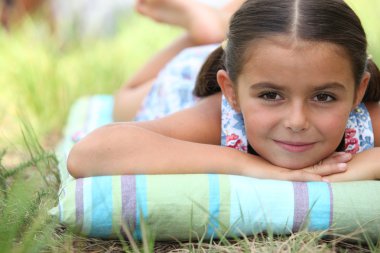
173,88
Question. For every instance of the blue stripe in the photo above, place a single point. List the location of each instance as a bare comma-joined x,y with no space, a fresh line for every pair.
102,207
258,205
319,206
141,204
105,111
214,205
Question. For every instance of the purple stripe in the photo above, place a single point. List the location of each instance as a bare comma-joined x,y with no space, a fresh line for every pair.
331,205
128,198
301,205
79,213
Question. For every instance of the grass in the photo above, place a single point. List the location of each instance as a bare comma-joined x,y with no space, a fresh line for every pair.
47,76
40,78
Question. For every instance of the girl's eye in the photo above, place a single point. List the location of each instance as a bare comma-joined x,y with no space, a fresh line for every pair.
323,97
270,96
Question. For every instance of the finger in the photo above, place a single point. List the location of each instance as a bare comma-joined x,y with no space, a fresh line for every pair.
327,169
302,176
338,157
338,153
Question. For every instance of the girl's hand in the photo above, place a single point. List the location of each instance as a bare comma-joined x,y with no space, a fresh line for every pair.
363,166
334,164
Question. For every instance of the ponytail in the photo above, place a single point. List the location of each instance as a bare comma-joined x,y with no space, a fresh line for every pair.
373,91
206,83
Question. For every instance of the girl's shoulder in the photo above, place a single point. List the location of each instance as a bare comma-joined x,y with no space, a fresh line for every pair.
199,123
374,111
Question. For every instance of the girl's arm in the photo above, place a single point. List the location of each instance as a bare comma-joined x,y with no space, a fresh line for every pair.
365,165
185,142
151,68
130,149
152,147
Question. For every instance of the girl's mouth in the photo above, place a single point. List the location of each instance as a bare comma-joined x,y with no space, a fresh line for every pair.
297,147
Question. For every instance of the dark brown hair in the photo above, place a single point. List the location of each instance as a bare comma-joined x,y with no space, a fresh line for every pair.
323,20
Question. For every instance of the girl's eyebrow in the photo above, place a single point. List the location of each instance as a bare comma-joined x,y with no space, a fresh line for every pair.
326,86
266,85
331,86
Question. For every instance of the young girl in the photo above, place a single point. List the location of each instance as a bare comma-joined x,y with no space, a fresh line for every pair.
284,91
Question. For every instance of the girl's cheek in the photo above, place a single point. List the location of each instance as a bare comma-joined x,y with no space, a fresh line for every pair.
331,129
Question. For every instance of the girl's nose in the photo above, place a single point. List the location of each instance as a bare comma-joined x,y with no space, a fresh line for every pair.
297,119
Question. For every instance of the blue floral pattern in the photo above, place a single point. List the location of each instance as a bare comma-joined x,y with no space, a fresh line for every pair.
173,88
359,132
233,129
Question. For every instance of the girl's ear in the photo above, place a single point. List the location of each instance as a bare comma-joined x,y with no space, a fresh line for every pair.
228,89
360,92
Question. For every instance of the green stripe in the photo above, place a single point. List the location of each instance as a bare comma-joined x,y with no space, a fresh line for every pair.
225,200
355,205
116,214
164,195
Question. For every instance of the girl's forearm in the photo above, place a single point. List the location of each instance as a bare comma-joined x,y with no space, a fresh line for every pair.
363,166
129,149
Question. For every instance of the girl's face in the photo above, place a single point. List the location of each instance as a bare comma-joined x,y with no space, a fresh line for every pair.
295,98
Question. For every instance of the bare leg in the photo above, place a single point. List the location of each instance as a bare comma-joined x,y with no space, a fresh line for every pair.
128,101
131,95
203,25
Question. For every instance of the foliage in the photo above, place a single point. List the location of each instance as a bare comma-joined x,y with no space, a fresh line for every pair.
40,78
